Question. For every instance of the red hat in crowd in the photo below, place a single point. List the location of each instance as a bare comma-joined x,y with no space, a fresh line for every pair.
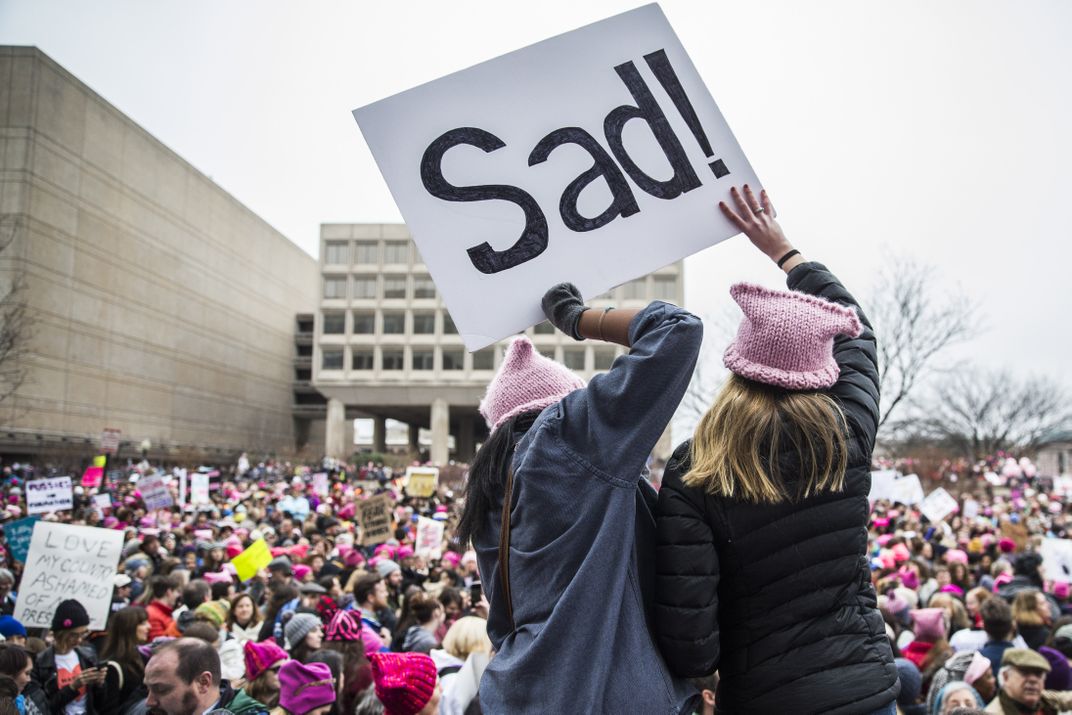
405,682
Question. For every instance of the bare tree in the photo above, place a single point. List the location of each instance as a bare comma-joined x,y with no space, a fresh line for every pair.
709,374
16,327
980,412
914,324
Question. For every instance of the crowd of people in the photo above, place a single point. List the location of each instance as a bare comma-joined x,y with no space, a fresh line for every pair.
756,575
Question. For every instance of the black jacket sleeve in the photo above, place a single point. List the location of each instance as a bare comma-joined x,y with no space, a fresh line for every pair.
857,388
687,575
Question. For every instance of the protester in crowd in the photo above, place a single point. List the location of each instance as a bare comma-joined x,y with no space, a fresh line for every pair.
347,635
164,591
263,661
552,505
67,671
417,629
16,663
12,631
183,678
461,663
304,634
406,683
334,661
124,665
1031,614
929,648
1023,672
998,625
957,694
243,618
970,667
772,492
370,595
306,689
7,594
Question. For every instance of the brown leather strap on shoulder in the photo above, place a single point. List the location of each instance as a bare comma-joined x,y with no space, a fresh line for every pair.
504,545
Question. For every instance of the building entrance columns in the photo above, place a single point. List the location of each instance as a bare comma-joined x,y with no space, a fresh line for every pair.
414,441
379,434
440,419
335,431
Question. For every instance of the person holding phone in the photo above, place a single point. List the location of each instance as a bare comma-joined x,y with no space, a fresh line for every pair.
67,671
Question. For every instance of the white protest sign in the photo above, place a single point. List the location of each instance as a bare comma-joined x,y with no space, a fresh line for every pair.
199,489
102,501
1057,559
47,495
68,562
881,484
907,490
593,157
938,505
429,540
154,492
971,508
320,484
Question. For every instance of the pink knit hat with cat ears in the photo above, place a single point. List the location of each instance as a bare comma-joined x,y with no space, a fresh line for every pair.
786,339
526,382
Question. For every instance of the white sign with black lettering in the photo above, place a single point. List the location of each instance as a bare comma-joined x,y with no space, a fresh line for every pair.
594,157
48,495
65,562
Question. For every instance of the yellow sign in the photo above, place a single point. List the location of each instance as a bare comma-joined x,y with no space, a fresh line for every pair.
421,481
99,461
252,560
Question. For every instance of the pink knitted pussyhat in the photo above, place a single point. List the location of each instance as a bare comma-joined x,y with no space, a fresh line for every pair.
786,338
526,382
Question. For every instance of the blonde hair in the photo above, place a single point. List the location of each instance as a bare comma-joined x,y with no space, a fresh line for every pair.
466,635
1025,609
735,451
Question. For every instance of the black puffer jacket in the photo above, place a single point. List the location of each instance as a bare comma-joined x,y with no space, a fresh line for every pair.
778,598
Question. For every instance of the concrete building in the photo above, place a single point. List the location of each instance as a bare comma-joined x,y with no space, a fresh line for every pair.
1054,457
385,347
161,306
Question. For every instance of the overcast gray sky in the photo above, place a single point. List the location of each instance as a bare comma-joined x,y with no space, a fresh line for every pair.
936,130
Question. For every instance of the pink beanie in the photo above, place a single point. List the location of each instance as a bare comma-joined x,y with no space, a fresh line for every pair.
305,686
526,382
786,338
928,624
901,553
956,556
909,578
405,682
1006,545
261,656
978,666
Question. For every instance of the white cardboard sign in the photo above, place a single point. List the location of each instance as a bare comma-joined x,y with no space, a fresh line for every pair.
48,495
199,489
594,157
1057,559
154,492
882,484
429,540
938,505
907,490
65,562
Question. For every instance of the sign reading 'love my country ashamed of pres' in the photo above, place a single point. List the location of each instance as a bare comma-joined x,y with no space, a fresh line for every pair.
593,157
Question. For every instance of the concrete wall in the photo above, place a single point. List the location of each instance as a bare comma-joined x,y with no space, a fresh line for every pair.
162,306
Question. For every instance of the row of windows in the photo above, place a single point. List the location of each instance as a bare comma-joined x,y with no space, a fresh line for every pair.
392,322
453,359
337,253
368,286
395,358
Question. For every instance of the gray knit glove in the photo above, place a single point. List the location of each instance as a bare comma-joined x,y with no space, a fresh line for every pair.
563,306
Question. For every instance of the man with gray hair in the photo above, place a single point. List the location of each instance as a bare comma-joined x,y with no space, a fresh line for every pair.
7,595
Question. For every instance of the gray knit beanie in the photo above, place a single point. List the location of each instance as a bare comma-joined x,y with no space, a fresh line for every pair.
386,567
299,626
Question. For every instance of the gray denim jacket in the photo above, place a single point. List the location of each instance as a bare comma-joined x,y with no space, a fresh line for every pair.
581,642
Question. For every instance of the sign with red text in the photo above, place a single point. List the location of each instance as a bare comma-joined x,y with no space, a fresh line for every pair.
594,157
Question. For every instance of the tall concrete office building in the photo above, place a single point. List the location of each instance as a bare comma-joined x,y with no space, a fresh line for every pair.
159,304
385,346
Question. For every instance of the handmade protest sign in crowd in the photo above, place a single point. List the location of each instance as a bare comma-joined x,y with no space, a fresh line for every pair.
593,157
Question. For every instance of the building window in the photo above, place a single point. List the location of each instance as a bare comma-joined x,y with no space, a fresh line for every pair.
331,359
548,353
423,287
544,328
635,290
364,323
449,328
393,359
603,358
453,360
394,323
665,288
394,286
573,358
366,252
337,253
334,323
334,287
396,252
362,360
423,360
423,323
364,286
484,359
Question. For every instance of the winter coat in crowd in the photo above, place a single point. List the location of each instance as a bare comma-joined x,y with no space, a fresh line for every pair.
778,597
45,674
580,641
